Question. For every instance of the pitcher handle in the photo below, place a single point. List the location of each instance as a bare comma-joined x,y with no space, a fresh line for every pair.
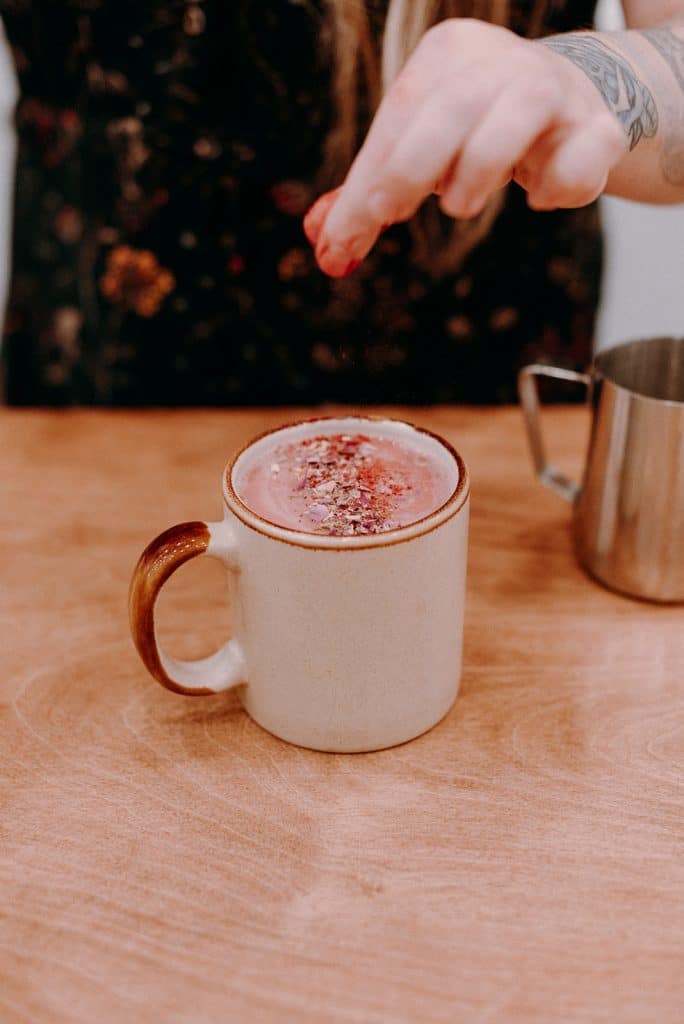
529,400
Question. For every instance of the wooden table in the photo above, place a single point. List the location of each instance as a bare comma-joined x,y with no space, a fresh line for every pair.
163,859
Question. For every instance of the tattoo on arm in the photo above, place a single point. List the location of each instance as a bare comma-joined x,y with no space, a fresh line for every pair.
624,93
671,49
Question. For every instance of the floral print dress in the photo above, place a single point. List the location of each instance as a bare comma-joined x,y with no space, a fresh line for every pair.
167,153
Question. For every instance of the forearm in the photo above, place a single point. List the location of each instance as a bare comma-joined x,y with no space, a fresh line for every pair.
640,75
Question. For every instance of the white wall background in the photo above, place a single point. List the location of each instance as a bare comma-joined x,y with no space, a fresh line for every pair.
643,291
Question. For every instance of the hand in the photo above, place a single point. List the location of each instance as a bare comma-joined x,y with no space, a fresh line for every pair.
474,107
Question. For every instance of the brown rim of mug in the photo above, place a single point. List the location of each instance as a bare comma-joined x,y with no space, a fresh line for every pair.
361,542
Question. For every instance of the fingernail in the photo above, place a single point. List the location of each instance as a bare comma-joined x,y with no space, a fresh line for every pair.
333,253
321,249
334,261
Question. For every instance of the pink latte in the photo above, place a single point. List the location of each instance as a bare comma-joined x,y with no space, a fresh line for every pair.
344,485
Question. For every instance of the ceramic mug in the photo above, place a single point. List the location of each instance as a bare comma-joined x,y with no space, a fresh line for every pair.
340,643
628,520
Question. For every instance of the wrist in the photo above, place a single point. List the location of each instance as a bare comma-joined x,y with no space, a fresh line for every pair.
613,78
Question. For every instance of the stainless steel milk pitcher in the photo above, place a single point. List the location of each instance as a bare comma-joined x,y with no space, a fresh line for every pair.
629,509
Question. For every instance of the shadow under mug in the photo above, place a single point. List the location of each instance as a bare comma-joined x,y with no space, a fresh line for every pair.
339,643
628,521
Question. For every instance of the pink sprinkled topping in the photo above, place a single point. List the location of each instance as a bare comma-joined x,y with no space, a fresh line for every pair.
345,486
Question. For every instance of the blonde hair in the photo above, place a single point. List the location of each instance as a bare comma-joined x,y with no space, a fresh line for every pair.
364,69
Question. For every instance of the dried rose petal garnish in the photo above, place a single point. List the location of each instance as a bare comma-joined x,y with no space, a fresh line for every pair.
346,486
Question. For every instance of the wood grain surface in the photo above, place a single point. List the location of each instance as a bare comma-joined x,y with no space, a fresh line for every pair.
164,859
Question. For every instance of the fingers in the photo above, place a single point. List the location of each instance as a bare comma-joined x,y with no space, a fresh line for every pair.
393,193
360,210
314,219
391,178
495,146
474,107
441,136
559,165
430,147
575,173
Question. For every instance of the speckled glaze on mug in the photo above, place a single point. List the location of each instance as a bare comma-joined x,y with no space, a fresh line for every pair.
340,644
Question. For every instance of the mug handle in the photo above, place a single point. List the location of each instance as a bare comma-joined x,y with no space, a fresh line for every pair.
529,400
160,559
